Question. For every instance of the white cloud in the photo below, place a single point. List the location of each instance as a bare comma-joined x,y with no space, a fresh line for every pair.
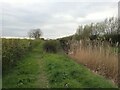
63,17
102,15
32,1
55,19
98,16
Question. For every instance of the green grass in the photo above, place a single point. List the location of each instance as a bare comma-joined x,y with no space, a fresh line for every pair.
28,73
46,70
65,73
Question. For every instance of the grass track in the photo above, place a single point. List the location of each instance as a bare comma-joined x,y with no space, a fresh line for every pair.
45,70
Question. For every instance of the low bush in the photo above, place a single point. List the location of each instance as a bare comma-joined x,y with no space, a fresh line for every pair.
13,50
52,46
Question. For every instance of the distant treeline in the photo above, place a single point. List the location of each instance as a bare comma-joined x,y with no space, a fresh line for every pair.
106,30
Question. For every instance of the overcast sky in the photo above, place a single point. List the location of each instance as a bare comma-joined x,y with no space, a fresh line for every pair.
55,18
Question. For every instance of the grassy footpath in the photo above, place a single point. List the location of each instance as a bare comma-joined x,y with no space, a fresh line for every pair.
64,72
29,73
46,70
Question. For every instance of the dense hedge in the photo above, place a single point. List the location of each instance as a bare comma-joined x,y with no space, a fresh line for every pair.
52,46
65,45
13,50
114,37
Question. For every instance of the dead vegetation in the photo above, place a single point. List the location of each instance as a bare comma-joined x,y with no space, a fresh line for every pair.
99,56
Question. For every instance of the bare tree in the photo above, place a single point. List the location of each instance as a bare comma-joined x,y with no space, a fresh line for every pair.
35,33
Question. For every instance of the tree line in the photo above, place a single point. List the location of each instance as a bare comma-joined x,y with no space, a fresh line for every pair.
107,29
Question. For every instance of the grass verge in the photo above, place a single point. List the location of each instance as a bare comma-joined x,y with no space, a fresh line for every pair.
65,73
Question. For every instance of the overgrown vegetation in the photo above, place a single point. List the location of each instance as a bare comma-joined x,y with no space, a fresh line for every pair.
65,43
13,50
96,45
98,56
50,70
52,46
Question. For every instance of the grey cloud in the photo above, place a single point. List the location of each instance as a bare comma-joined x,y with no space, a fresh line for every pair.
19,19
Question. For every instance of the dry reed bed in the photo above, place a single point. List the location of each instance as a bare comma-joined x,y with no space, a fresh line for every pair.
100,57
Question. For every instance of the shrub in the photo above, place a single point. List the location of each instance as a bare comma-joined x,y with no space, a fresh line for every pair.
51,46
65,45
12,51
114,38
